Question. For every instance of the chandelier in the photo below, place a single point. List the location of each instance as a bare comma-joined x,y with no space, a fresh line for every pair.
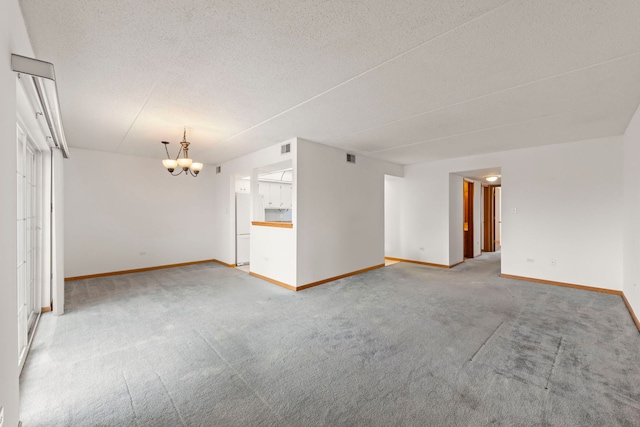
187,165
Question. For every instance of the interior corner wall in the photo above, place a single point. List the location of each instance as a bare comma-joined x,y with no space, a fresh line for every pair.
568,208
272,250
393,214
340,212
563,203
125,212
222,222
13,39
477,218
421,203
631,267
456,220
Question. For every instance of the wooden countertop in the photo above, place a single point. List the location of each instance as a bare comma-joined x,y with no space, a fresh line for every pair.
278,224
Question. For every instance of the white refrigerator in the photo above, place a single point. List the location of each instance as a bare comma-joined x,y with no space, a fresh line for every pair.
243,227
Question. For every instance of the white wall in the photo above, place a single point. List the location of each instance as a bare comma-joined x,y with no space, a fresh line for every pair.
631,275
340,212
456,220
569,208
422,208
58,238
273,253
478,208
13,39
393,222
124,212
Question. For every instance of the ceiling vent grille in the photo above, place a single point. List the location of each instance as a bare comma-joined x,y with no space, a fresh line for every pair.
218,169
286,148
351,158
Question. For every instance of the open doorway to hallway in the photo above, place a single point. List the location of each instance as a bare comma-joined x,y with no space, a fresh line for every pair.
475,220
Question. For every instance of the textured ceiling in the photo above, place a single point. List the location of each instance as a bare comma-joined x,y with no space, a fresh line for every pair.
406,81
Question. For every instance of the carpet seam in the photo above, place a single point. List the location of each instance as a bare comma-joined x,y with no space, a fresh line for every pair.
485,341
555,361
126,383
171,398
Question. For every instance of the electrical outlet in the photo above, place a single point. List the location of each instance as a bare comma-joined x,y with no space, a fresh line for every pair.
143,253
515,210
531,260
422,249
553,263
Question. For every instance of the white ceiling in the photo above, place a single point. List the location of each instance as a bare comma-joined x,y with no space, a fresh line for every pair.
406,81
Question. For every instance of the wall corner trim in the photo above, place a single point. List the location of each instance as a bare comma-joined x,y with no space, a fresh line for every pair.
430,264
563,284
140,270
342,276
222,263
275,282
631,312
312,284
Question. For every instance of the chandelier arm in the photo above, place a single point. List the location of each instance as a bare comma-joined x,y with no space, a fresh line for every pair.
195,175
176,174
167,150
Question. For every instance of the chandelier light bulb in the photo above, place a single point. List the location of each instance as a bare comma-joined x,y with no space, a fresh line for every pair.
185,163
170,164
196,167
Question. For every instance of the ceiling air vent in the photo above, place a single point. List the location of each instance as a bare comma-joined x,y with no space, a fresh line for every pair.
218,169
286,148
351,158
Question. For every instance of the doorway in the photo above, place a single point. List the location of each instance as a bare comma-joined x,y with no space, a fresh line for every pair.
243,228
492,200
243,220
468,188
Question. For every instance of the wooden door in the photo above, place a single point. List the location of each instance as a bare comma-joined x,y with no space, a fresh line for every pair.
488,244
468,219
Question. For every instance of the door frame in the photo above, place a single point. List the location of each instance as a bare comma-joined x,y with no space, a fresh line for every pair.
489,219
31,235
468,219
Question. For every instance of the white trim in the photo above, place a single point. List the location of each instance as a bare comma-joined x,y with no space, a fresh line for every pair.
57,235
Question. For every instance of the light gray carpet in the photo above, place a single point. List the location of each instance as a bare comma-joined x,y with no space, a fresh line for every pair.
405,345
